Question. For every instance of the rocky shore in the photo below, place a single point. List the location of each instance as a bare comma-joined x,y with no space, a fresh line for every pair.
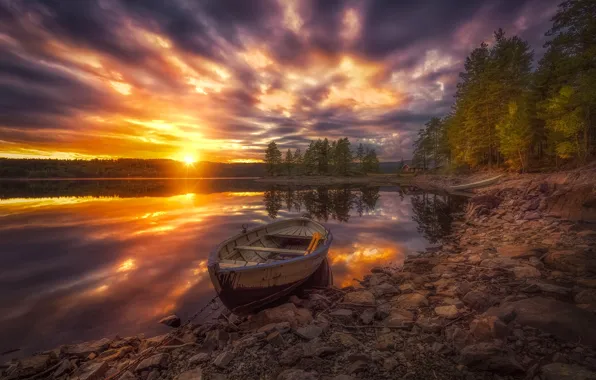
510,295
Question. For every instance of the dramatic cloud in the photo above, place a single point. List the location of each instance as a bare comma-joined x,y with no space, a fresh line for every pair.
218,79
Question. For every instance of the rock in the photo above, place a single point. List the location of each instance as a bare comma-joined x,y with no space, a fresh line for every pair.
309,332
153,375
499,262
193,374
549,288
34,364
367,316
575,261
357,366
384,289
489,357
343,339
296,374
201,357
406,288
532,215
432,325
127,376
516,251
587,282
387,341
488,328
586,297
410,301
400,318
216,339
84,349
65,367
479,301
291,355
389,364
282,327
275,339
171,321
93,371
155,361
343,377
526,271
222,360
343,315
457,337
284,313
561,319
449,312
487,201
561,371
362,297
115,354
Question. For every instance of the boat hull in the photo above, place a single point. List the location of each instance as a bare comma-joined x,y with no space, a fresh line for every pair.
246,291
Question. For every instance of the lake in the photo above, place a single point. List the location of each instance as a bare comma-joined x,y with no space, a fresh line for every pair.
81,260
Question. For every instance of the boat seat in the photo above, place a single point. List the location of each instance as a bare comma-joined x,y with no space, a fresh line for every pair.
291,236
224,263
289,252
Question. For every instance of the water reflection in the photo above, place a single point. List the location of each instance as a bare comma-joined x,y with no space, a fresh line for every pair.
76,268
434,214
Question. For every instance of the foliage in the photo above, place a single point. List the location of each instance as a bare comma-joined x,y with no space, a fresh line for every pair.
289,162
272,158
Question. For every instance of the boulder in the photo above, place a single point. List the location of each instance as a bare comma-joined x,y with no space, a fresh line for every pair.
367,316
449,312
296,374
561,371
201,357
287,312
384,289
34,364
171,321
547,288
343,315
410,301
489,356
575,261
193,374
93,371
291,355
479,301
499,262
222,360
282,327
587,296
400,318
155,361
309,332
343,339
561,319
426,324
526,271
362,297
516,251
84,349
488,328
458,337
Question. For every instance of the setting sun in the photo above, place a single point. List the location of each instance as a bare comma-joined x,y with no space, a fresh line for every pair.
189,160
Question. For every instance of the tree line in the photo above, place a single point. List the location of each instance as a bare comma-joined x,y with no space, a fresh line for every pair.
322,158
508,113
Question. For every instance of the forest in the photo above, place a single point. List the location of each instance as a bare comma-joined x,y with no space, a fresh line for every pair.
511,111
322,158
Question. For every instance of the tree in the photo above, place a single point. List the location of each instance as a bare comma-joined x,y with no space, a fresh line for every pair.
272,158
310,161
360,155
289,162
515,135
298,161
342,156
370,162
323,153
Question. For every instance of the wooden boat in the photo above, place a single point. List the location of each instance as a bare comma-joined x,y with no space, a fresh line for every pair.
261,265
473,185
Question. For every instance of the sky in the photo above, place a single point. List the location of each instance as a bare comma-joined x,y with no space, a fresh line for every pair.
216,80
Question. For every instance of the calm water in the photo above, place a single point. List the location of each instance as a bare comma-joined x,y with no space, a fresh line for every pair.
80,260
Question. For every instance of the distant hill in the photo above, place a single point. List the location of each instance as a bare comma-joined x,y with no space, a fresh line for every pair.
127,168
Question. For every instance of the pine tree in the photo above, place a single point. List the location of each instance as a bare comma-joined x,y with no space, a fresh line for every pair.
360,155
298,161
323,156
310,161
289,162
272,158
342,156
515,135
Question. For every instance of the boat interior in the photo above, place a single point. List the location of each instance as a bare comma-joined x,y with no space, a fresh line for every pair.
272,244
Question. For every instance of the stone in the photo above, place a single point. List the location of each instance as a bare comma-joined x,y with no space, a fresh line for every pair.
282,327
309,332
216,339
526,271
343,315
400,318
384,289
431,325
84,349
499,262
410,301
449,312
343,339
287,312
357,366
171,321
457,337
201,357
193,374
477,300
153,375
296,374
343,377
222,360
574,261
367,316
561,319
127,376
275,339
115,354
362,297
34,364
489,357
65,367
93,371
587,282
532,215
291,355
587,296
406,288
155,361
561,371
487,328
550,288
386,342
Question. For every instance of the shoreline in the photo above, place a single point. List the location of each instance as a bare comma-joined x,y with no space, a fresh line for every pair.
511,294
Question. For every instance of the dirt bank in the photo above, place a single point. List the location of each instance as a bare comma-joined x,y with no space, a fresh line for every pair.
510,295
